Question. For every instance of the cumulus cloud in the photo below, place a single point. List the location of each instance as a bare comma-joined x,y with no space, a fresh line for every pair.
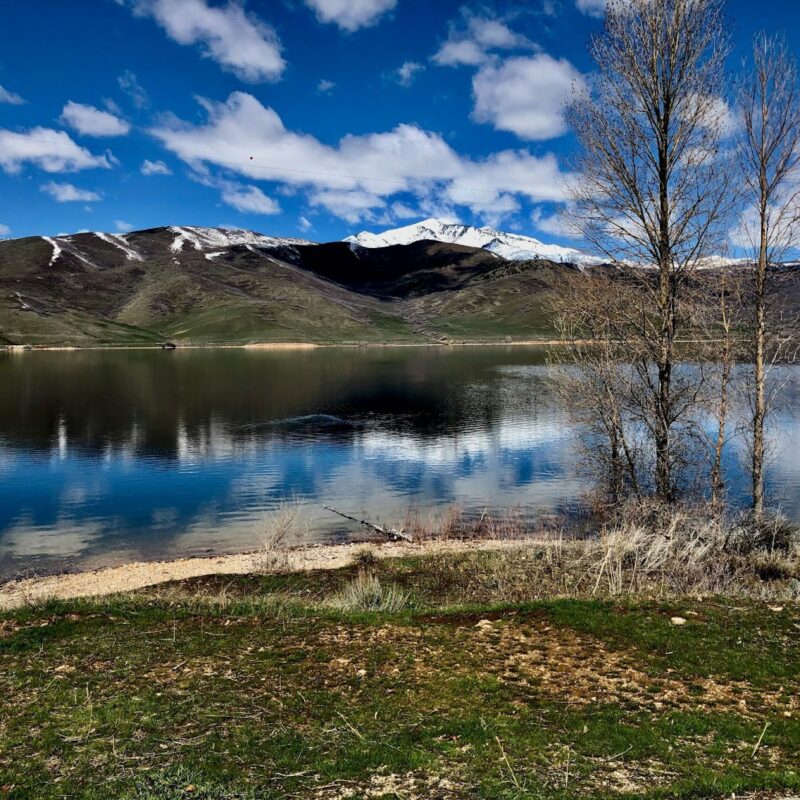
305,224
4,230
356,177
471,40
10,98
558,224
594,8
48,149
598,8
238,41
67,193
350,15
406,75
324,86
122,226
249,200
525,95
715,114
520,93
91,121
129,84
155,168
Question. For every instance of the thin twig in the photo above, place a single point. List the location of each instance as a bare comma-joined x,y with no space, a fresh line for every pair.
760,739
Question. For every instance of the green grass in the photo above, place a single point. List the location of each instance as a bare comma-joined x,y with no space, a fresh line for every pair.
266,687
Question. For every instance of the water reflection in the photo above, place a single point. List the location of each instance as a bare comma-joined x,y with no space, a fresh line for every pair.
107,456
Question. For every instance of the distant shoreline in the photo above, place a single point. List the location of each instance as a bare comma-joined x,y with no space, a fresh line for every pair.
19,348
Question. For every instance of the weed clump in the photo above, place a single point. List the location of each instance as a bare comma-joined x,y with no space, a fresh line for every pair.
366,593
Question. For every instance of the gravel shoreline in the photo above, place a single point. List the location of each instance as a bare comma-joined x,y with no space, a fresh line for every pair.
142,574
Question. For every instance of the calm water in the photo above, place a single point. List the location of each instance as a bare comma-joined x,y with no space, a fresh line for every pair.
109,456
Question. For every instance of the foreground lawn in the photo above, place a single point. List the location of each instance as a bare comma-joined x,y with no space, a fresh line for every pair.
262,688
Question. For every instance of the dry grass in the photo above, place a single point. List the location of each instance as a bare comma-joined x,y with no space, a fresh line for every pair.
453,523
366,593
686,551
643,551
280,527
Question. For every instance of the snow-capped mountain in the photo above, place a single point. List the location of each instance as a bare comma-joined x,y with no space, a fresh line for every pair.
212,242
510,246
204,239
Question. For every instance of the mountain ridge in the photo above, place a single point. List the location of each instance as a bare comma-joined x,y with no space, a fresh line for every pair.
198,285
510,246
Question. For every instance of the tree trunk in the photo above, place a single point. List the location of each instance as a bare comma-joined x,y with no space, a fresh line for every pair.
760,402
717,482
666,302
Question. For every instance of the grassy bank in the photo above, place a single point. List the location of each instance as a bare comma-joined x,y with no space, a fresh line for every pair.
305,685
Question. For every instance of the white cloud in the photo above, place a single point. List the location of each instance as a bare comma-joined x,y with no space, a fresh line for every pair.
325,86
91,121
249,200
594,8
350,15
4,230
354,178
67,193
715,114
122,226
10,98
403,211
351,205
129,84
238,41
555,224
155,168
48,149
525,95
469,43
406,74
305,224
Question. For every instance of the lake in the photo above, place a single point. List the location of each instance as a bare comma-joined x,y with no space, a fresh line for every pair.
109,456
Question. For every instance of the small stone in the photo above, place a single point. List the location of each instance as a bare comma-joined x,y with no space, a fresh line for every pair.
678,620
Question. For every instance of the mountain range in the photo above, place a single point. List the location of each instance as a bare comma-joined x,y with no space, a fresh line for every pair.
430,282
510,246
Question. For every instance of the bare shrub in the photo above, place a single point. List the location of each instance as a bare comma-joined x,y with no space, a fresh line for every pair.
686,551
365,558
366,593
280,526
453,524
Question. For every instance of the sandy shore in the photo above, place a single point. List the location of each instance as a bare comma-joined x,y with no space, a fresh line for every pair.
139,575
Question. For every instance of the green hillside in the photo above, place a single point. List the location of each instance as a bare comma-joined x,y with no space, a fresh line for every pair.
92,292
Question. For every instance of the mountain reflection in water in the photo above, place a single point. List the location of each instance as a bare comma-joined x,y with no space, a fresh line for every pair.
106,456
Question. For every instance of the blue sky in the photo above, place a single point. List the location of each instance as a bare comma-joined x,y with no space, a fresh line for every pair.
311,118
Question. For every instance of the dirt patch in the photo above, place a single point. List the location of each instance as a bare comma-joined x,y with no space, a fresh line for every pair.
410,786
580,670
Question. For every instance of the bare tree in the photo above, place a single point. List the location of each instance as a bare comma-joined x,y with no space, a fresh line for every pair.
592,381
769,153
719,305
653,191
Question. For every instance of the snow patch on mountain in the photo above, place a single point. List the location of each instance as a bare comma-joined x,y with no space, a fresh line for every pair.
510,246
56,250
203,239
119,241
